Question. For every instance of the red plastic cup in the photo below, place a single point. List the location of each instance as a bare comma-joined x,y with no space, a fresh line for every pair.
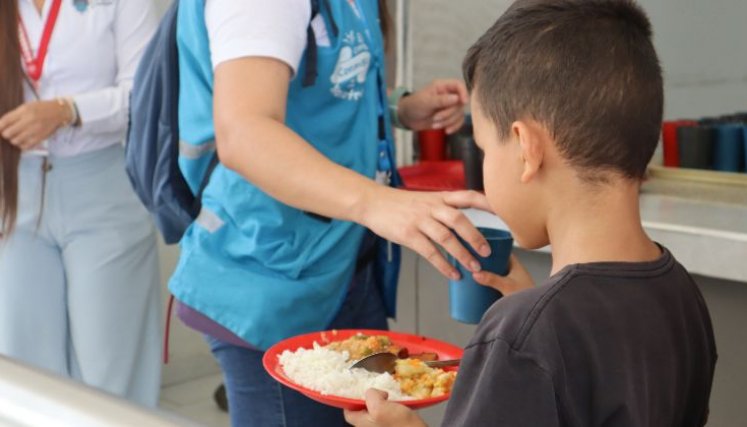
669,139
432,144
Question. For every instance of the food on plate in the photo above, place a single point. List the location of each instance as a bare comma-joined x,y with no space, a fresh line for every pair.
326,369
418,380
360,345
425,357
328,372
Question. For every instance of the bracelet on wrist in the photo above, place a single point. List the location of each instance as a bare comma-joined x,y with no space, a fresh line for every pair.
64,105
75,122
394,97
72,109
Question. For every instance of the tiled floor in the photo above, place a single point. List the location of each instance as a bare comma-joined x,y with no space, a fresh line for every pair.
194,400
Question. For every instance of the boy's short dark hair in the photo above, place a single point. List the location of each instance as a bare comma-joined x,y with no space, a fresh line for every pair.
586,69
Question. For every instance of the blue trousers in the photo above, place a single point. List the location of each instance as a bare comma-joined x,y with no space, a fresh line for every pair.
257,400
79,281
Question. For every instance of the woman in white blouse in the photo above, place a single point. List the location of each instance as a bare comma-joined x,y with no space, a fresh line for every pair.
79,292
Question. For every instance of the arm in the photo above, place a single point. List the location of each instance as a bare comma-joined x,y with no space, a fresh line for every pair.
106,110
250,95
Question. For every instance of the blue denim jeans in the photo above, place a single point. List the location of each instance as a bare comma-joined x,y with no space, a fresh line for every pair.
255,399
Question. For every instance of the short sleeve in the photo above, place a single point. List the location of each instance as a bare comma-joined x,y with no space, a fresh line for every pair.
245,28
497,386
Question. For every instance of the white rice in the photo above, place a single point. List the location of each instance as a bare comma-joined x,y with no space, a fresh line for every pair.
328,372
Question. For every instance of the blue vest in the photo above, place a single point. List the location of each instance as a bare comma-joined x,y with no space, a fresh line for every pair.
263,269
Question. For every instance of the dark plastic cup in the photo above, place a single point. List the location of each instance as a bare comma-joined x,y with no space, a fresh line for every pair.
471,157
464,148
468,300
728,150
744,146
456,140
709,121
695,145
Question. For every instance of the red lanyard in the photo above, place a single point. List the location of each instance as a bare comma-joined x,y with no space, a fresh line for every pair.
35,65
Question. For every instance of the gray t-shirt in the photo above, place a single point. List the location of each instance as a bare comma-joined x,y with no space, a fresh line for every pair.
602,344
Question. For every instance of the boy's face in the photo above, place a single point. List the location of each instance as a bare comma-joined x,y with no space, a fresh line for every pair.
512,192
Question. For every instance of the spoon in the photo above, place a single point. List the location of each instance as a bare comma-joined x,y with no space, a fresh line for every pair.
385,362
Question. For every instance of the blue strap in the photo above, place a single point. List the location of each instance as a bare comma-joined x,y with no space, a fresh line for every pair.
311,72
332,23
385,161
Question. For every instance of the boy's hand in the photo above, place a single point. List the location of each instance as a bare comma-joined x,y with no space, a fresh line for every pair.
383,413
518,278
440,105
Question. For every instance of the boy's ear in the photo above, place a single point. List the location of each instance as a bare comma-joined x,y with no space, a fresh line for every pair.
531,138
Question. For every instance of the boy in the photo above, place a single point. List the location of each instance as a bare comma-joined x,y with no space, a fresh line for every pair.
567,106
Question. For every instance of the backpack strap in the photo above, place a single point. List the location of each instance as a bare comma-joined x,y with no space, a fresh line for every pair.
311,73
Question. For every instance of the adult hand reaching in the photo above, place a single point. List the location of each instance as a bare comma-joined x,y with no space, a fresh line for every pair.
426,221
440,105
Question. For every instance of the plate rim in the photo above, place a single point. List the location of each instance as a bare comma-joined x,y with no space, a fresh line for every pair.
272,368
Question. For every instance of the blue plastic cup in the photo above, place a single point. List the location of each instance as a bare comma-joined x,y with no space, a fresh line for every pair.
728,149
744,146
469,300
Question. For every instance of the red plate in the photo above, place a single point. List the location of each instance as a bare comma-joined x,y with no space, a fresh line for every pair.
434,176
414,344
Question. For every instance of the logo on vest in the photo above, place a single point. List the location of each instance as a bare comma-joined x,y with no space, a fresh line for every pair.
352,68
82,5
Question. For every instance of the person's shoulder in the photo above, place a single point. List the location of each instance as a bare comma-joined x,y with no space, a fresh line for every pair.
576,292
512,318
257,28
258,10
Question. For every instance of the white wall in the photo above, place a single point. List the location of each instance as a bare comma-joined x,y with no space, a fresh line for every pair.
700,44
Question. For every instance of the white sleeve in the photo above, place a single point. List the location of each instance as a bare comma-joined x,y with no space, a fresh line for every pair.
106,110
268,28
